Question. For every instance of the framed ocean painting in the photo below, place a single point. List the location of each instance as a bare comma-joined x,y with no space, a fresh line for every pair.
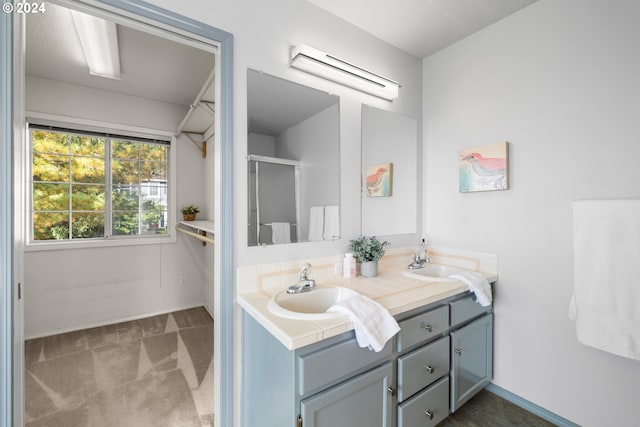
484,168
379,180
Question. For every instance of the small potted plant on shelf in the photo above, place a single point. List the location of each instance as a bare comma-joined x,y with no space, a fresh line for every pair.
189,212
367,251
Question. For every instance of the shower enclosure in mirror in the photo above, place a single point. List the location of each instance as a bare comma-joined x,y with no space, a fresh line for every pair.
273,200
293,162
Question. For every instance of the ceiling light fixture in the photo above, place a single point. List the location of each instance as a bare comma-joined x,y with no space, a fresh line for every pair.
99,40
317,62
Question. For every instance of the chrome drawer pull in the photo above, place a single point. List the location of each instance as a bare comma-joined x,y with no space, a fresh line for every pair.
391,390
429,328
429,369
458,351
428,414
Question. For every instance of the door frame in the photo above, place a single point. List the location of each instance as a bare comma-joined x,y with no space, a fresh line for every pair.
11,99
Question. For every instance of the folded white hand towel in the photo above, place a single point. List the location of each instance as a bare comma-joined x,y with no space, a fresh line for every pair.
316,223
373,324
478,284
280,232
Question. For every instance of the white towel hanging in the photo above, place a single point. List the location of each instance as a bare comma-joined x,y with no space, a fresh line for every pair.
280,232
606,299
331,223
316,223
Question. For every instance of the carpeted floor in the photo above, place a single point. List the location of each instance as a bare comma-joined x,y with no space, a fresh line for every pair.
156,371
488,410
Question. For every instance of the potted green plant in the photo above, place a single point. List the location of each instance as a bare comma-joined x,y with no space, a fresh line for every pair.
189,212
367,251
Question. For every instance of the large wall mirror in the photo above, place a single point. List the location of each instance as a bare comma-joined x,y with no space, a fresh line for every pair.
293,162
390,173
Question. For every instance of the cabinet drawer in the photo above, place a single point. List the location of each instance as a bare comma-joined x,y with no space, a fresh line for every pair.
464,309
421,367
423,327
427,408
334,363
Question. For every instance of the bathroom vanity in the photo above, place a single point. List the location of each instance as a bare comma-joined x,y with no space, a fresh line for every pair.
441,358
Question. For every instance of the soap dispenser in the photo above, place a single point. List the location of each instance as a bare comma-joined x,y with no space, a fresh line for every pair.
421,251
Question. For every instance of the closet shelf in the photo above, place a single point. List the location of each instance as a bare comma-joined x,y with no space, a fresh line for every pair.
199,123
198,229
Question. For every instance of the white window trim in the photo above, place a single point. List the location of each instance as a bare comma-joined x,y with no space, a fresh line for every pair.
46,119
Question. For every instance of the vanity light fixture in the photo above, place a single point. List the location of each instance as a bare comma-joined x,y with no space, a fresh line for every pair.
317,62
99,41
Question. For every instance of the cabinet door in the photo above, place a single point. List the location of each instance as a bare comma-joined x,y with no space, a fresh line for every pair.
471,360
363,401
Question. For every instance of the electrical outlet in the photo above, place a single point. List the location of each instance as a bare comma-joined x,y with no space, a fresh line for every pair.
183,282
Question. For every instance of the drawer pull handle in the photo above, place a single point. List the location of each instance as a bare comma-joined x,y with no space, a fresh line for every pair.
429,369
458,351
429,328
428,414
391,390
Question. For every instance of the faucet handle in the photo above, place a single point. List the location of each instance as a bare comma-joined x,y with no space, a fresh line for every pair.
305,272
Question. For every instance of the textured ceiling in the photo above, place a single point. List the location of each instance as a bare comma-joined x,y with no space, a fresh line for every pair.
152,67
422,27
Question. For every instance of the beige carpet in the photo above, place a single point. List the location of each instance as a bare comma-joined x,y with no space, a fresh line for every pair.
155,372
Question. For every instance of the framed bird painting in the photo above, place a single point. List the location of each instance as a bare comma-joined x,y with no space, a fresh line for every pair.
379,180
484,168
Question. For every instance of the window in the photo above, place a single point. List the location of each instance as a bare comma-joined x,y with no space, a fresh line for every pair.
92,186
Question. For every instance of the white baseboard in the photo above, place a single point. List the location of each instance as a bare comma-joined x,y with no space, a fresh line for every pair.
119,320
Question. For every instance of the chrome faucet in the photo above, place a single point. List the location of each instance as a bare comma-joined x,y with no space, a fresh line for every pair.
420,258
305,284
419,262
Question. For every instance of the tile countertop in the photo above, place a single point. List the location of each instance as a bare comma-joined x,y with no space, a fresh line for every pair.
393,290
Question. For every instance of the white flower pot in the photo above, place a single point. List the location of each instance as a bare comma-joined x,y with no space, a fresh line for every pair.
369,268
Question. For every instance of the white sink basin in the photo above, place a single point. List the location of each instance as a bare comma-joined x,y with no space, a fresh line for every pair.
310,305
433,273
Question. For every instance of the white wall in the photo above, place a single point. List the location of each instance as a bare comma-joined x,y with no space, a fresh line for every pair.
76,288
49,96
262,145
559,81
315,142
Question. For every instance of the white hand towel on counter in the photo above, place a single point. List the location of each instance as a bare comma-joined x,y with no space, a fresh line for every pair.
331,223
478,284
606,271
280,232
316,223
373,324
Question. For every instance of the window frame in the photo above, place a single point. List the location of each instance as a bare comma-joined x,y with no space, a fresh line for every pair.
114,130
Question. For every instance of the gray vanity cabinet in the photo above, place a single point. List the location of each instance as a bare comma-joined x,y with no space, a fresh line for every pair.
439,360
471,359
363,401
330,383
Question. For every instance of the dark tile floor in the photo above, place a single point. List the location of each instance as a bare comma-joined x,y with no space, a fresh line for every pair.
156,371
488,410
